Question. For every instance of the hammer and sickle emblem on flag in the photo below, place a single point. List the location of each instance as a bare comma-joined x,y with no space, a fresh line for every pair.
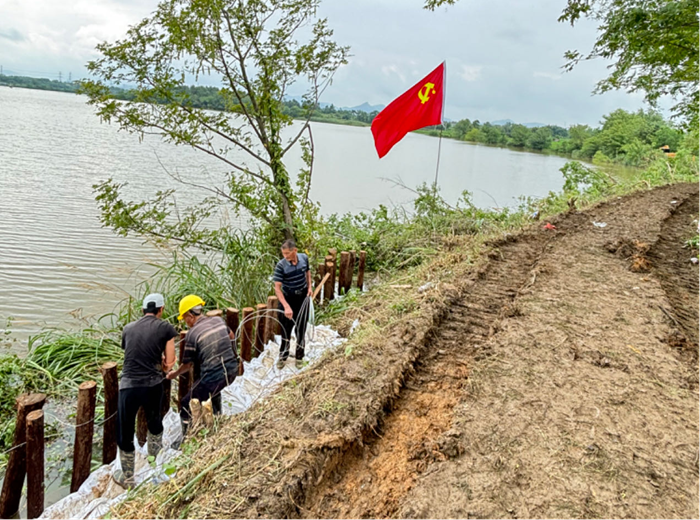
425,91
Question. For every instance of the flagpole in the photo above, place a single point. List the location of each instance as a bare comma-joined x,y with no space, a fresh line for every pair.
437,166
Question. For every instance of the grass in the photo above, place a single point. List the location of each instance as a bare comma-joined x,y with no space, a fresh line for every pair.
57,362
408,248
456,238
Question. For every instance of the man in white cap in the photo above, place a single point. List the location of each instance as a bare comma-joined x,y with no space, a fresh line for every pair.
149,352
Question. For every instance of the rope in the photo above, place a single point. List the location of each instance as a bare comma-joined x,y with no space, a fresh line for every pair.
306,311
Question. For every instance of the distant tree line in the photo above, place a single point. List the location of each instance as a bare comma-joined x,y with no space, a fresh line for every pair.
38,83
630,138
210,98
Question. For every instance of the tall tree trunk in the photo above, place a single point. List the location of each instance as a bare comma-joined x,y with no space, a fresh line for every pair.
288,221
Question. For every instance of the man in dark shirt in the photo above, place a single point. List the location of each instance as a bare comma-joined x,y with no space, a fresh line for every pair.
149,351
292,279
208,345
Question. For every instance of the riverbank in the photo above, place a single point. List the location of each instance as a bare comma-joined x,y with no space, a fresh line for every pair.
538,326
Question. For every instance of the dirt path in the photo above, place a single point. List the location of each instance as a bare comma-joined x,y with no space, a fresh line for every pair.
563,384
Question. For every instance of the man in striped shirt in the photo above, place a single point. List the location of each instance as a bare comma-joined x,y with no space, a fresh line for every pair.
292,279
207,346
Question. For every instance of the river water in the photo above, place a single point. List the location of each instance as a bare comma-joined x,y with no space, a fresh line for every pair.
58,264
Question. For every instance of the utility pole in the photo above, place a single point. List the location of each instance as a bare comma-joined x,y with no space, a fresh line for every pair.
0,70
60,77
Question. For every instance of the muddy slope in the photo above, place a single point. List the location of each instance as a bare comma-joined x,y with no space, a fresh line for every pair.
563,383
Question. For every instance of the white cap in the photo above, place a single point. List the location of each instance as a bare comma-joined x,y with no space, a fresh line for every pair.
155,298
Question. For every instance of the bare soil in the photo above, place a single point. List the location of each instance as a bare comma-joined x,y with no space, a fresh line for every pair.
554,376
563,384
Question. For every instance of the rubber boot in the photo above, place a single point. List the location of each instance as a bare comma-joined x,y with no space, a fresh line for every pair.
216,403
155,444
125,476
184,425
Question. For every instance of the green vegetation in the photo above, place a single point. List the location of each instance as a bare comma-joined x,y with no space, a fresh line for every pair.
57,362
253,49
230,268
38,83
628,138
213,98
653,46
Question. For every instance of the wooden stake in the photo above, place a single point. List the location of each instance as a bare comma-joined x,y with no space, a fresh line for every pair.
109,431
232,322
323,281
333,253
343,272
353,261
216,312
35,464
261,311
329,287
273,302
84,429
320,272
141,427
17,464
270,316
361,270
247,334
184,381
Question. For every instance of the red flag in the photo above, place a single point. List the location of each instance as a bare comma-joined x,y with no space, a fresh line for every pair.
418,107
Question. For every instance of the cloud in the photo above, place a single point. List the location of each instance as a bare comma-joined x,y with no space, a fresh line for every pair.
548,75
12,34
390,70
498,67
471,72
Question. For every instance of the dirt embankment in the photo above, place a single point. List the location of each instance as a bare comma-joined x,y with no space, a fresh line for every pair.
557,378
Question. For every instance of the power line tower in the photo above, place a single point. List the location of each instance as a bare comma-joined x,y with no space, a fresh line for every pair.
60,77
69,77
0,70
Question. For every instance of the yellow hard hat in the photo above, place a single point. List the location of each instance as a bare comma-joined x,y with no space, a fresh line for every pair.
189,302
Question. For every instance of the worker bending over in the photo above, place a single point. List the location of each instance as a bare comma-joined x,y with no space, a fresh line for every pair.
292,279
208,345
149,352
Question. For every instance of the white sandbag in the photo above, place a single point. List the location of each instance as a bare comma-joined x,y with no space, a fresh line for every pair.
99,492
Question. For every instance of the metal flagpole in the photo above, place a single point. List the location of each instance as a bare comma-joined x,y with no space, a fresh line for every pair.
437,166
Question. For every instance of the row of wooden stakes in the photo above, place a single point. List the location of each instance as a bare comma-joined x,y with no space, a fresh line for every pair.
259,325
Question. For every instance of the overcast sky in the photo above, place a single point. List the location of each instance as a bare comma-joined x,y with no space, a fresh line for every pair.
503,57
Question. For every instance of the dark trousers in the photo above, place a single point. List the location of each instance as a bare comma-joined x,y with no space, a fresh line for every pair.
130,400
203,391
295,301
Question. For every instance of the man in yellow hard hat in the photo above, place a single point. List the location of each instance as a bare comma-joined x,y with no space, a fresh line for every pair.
208,344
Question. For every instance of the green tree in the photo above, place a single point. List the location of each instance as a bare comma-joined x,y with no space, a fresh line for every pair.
492,134
654,46
252,48
519,135
540,138
578,134
460,128
475,135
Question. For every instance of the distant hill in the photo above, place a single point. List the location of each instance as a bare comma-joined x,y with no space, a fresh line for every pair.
366,107
502,122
